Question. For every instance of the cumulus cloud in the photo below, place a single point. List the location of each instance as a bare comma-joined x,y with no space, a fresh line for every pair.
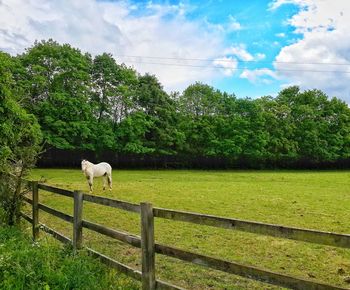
240,52
123,28
277,3
280,34
263,75
229,64
233,24
259,56
320,58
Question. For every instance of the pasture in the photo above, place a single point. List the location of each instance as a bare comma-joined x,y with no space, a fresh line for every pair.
307,199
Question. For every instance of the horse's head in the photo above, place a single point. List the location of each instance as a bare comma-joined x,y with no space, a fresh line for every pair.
84,164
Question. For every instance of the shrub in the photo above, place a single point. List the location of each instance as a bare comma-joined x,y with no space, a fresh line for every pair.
46,265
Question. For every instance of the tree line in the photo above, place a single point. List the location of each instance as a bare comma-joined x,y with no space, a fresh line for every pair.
85,102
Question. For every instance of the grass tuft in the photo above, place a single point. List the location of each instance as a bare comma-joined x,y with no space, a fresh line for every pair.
25,264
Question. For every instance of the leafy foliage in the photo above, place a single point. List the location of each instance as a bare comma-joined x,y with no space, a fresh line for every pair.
85,102
45,265
59,96
20,139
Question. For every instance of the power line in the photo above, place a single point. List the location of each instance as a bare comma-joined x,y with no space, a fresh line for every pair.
234,69
228,60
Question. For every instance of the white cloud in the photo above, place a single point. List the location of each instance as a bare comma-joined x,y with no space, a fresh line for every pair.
314,57
229,64
281,35
240,52
259,56
233,24
277,3
262,75
121,28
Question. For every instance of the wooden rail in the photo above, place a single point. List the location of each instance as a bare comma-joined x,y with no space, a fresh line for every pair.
242,270
149,247
112,203
202,260
118,235
305,235
59,191
129,271
56,213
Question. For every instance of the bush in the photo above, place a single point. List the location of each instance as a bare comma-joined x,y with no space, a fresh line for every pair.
47,265
20,139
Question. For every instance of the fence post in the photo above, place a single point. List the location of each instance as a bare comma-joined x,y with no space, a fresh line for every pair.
35,210
147,246
77,220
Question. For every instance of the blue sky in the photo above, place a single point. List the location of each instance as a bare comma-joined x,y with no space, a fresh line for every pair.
249,48
260,32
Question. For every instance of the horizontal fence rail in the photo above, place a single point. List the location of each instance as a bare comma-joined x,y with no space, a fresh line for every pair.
56,213
48,230
55,234
59,191
202,260
242,270
26,217
112,203
50,210
305,235
28,200
129,271
118,235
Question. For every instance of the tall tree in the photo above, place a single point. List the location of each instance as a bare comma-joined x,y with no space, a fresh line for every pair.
280,129
321,126
207,121
159,108
59,95
113,87
20,139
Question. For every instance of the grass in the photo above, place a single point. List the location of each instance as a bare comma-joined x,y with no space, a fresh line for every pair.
308,199
47,265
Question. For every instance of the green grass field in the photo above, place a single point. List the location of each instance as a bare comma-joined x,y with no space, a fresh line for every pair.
308,199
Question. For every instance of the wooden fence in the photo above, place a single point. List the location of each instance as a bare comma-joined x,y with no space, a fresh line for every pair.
149,247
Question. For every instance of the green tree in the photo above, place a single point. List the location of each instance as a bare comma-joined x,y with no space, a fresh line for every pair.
20,139
113,88
160,111
131,134
280,128
215,123
321,126
58,79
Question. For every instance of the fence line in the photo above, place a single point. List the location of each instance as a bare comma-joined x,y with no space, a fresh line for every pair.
293,233
149,247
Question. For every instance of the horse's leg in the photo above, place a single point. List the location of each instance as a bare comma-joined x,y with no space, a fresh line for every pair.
104,182
91,183
109,178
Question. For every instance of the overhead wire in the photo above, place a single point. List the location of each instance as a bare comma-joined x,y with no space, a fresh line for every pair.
236,60
234,69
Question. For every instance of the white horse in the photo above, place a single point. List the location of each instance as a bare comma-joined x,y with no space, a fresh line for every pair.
91,170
